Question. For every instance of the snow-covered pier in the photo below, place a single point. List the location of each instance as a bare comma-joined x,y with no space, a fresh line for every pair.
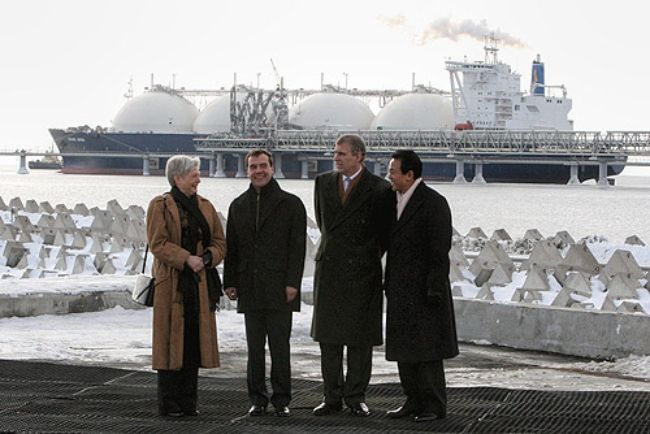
589,298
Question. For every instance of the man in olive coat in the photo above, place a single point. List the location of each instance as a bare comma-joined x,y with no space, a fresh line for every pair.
266,235
347,279
420,324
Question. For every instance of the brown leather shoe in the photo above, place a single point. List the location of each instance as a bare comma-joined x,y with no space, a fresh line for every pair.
324,409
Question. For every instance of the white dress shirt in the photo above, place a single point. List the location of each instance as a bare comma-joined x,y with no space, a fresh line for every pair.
403,198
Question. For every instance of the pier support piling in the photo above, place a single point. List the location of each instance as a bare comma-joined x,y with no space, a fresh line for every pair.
460,172
478,174
277,163
211,168
573,180
304,169
22,167
241,162
602,174
145,166
376,169
220,173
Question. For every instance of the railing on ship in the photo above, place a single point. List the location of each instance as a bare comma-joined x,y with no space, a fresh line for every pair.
447,141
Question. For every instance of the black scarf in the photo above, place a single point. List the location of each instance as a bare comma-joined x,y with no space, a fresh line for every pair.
199,228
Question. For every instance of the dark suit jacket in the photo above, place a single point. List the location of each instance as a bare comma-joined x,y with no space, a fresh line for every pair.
420,324
261,264
347,279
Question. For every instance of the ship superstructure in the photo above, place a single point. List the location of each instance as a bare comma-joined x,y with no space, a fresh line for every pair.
487,95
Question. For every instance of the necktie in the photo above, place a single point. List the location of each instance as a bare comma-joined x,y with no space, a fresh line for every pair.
346,183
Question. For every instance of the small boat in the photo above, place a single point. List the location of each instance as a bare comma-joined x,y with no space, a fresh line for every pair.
49,162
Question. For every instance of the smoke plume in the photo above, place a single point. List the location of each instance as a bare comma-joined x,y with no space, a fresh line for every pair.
445,28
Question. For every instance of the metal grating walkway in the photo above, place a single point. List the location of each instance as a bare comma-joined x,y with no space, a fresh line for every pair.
43,397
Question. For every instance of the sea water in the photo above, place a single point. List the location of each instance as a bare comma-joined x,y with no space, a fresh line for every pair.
585,210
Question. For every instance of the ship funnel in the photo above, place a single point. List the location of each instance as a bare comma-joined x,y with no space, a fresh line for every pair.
537,77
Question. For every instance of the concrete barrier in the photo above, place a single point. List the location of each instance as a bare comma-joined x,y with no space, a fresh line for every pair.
51,303
578,332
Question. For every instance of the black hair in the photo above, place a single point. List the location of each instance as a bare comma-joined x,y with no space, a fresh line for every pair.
410,161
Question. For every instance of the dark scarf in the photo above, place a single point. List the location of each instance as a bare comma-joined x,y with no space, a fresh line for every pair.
198,228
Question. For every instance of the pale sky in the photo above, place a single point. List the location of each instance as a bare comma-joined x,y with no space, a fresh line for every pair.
68,62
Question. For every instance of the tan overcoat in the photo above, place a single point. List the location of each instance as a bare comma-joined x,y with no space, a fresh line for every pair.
164,236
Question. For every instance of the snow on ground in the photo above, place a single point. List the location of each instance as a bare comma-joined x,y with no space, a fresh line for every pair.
122,338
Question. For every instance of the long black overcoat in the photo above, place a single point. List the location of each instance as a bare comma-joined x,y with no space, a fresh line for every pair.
348,275
262,263
420,323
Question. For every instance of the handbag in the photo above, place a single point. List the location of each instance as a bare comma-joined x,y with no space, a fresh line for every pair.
145,286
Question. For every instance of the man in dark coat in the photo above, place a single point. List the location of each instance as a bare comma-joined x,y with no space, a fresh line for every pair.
420,324
266,231
347,279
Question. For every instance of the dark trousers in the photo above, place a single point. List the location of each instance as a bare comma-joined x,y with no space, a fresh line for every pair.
353,388
177,390
277,326
424,385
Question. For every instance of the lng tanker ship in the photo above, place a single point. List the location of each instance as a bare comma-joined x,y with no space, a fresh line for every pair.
485,96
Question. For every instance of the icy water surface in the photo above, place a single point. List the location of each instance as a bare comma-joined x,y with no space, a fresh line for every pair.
614,212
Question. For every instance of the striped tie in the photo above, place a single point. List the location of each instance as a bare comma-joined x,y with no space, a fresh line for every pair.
346,183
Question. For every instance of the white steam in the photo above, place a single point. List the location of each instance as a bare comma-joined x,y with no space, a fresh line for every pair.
446,28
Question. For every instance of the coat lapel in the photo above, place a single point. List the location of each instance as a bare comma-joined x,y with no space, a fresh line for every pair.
273,199
358,197
413,205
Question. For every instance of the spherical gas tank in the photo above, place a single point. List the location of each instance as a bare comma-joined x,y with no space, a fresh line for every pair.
331,111
415,111
158,112
215,117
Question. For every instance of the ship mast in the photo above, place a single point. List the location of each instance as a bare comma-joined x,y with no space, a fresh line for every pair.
491,49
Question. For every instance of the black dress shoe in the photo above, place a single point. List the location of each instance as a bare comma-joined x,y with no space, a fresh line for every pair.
175,414
324,409
191,413
360,409
282,411
426,417
257,410
406,410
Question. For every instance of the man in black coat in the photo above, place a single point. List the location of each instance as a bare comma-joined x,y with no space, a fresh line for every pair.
347,279
420,324
265,235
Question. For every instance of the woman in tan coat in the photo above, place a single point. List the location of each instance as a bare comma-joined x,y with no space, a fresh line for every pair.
187,242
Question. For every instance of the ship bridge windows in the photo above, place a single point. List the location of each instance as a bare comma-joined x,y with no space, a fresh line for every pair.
532,108
516,107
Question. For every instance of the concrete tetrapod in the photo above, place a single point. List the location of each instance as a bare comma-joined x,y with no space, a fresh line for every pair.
544,255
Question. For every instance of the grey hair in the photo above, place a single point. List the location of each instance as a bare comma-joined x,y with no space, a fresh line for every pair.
356,142
180,165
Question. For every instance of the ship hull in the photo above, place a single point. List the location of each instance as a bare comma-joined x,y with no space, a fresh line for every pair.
138,143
